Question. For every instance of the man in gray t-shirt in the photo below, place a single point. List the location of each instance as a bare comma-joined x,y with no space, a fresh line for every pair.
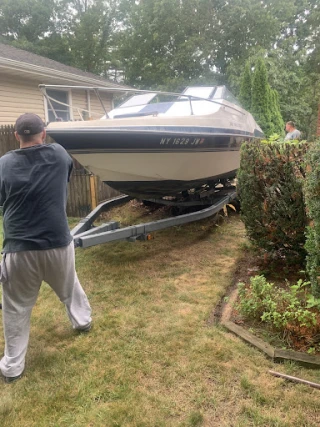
37,242
293,133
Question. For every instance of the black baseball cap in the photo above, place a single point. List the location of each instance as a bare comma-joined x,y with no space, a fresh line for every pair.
29,124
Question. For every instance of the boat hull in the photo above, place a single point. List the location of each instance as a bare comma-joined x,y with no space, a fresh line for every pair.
154,175
152,161
160,189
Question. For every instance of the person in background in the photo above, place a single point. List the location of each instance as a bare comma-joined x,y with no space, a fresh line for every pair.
37,242
293,133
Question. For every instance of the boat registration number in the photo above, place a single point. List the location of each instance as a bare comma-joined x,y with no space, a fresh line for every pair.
182,141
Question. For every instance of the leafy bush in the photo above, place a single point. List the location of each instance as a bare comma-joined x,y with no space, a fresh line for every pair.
284,309
270,187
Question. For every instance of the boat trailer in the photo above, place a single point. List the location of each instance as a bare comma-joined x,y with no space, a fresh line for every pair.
85,234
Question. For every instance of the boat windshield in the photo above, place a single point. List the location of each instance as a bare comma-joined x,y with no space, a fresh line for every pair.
212,92
198,101
223,93
135,100
201,92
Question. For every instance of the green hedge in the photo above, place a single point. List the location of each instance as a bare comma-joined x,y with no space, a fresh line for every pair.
279,190
270,186
312,201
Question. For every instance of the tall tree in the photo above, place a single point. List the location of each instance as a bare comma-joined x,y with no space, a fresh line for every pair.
261,98
298,89
26,19
76,32
246,87
90,35
35,25
276,118
163,44
246,24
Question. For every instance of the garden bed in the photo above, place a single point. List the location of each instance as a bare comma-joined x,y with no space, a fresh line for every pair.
294,344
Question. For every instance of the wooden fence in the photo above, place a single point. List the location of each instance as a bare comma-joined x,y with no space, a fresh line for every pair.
86,191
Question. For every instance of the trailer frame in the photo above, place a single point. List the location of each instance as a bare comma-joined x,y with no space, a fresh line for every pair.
85,234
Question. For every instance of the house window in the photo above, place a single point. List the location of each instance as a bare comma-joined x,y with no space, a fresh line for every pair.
62,111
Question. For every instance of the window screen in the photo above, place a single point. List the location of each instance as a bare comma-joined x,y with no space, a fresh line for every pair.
62,111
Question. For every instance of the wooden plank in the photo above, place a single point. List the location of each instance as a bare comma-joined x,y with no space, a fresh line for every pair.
8,141
250,338
104,192
86,187
93,192
297,356
70,211
86,191
295,379
82,196
79,195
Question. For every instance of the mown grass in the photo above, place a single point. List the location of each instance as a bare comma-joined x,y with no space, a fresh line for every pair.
153,357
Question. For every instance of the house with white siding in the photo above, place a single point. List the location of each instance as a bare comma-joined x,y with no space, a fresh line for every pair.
21,72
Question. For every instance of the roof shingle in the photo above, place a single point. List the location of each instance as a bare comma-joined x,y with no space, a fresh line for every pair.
13,53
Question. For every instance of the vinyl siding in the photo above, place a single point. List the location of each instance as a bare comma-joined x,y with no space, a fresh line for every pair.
96,105
17,97
79,101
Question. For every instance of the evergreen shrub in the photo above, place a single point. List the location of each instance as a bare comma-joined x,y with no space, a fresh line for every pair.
312,201
270,187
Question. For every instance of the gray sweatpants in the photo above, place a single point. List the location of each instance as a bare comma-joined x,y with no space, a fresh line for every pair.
21,275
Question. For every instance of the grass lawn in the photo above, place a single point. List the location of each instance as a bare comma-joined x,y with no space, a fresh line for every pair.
153,357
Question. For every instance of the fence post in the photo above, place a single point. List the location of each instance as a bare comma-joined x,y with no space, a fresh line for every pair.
93,191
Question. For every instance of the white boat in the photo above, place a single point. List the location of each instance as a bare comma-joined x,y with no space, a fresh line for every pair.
150,147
